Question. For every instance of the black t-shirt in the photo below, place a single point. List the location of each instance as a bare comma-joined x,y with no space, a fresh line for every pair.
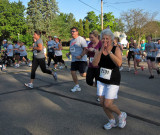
107,66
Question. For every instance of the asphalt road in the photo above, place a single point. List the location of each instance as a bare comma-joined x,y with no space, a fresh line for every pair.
51,109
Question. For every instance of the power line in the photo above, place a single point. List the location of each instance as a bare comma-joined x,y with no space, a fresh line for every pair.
89,5
124,2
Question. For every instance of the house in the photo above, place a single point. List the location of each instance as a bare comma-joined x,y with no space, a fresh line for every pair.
122,37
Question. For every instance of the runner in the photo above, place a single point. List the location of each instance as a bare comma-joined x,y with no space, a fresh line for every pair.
17,54
92,71
117,43
151,49
8,56
58,54
158,53
109,59
143,44
23,55
137,58
130,53
78,47
50,49
38,59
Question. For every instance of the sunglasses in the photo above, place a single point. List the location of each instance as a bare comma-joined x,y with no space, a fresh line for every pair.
73,31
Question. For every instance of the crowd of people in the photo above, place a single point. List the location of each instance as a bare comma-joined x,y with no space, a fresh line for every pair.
99,60
147,52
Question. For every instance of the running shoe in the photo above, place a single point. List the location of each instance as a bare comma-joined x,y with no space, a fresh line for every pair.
60,67
54,69
121,68
142,68
136,72
129,69
55,76
122,120
151,77
76,88
98,99
30,64
110,125
158,71
29,85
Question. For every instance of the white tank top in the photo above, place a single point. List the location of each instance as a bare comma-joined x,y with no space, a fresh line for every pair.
58,52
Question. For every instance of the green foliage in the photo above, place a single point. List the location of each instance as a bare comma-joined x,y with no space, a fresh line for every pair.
12,20
61,25
80,28
86,29
93,20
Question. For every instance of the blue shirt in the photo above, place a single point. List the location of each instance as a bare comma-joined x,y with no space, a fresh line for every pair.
76,48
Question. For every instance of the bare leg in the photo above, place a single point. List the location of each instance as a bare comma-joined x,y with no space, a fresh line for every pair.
74,77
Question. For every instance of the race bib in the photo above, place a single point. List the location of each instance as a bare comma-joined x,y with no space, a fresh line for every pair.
105,73
91,59
72,49
142,48
131,49
35,52
149,53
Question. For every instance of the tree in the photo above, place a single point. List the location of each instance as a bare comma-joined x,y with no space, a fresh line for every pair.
41,13
12,20
135,20
86,28
80,28
93,21
61,26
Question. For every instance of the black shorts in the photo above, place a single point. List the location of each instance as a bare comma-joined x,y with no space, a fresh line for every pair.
59,58
151,58
17,54
21,57
130,55
81,66
158,59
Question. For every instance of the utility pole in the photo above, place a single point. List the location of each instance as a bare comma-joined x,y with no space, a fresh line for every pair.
102,14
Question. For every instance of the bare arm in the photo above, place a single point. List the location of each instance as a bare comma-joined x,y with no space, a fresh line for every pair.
38,48
83,53
117,57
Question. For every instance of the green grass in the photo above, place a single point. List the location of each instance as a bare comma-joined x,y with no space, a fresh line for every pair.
64,51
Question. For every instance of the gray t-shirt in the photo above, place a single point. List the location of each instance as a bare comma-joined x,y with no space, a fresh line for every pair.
39,54
76,48
148,47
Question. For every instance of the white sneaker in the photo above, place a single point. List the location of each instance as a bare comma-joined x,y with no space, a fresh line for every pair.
98,99
55,76
30,64
122,120
60,67
129,69
29,85
76,88
18,65
110,124
121,68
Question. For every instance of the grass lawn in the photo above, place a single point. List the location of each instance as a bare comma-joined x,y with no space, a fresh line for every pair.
64,51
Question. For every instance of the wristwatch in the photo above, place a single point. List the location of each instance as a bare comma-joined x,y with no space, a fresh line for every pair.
110,53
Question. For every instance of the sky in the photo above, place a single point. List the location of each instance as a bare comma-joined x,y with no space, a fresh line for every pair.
80,7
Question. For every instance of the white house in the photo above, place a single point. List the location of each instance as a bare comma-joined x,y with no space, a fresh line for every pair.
122,37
